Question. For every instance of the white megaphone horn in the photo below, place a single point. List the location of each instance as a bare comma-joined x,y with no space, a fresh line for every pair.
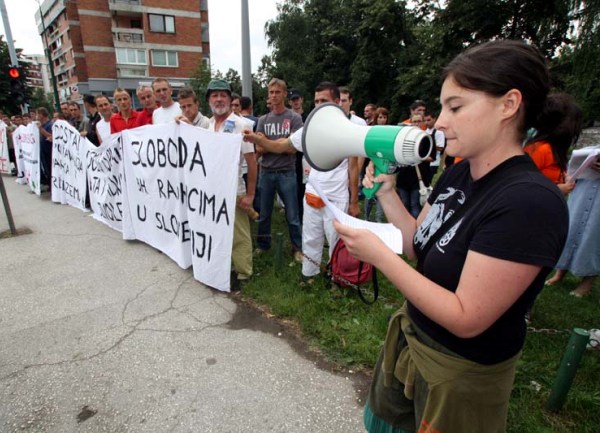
329,137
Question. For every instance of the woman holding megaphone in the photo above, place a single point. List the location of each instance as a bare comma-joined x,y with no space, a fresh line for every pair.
490,233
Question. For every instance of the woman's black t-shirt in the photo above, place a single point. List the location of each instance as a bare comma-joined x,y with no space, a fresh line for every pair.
525,221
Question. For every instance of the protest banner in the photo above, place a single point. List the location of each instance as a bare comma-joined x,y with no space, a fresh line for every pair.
180,195
105,181
68,165
26,140
4,159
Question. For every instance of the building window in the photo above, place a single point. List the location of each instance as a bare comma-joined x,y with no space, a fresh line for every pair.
164,58
161,23
136,24
131,56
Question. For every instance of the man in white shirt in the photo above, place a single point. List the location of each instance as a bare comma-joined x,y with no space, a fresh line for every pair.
439,141
218,94
346,101
190,108
104,107
338,184
169,109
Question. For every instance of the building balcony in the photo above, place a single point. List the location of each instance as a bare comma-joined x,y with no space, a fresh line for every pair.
58,52
128,36
125,5
128,71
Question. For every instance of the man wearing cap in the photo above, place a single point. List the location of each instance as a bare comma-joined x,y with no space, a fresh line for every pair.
278,171
218,95
169,109
296,102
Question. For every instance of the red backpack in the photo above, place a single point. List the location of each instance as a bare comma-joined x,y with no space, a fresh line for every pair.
347,271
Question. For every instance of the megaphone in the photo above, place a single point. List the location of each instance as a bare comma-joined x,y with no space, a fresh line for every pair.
329,137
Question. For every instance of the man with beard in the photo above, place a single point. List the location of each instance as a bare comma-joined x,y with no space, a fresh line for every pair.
218,94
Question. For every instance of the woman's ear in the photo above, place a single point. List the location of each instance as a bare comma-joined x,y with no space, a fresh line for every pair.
511,102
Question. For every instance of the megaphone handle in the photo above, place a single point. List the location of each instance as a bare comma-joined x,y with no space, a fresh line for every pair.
370,192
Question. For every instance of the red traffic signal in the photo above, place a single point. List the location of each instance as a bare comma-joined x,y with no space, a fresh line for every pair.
14,73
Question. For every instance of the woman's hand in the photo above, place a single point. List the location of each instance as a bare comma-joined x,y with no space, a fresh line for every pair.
362,244
566,188
388,181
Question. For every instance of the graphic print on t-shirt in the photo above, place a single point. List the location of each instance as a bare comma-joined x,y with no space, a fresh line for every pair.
443,208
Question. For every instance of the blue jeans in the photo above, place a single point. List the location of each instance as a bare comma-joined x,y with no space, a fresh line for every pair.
410,199
284,183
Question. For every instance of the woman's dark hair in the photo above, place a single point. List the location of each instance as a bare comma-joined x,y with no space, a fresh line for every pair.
496,67
562,128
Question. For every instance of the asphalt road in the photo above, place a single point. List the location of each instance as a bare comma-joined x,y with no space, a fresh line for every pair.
98,334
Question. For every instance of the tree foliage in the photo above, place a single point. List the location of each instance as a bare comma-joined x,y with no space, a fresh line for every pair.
391,51
39,98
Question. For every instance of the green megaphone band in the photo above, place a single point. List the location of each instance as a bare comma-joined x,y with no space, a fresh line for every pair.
379,146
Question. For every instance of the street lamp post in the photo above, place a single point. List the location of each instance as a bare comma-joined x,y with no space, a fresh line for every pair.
246,72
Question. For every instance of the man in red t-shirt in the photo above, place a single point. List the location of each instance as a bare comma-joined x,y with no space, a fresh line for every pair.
126,118
146,96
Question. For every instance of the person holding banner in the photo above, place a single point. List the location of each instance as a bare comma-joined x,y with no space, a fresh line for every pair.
188,101
146,96
103,126
169,109
126,118
218,94
45,127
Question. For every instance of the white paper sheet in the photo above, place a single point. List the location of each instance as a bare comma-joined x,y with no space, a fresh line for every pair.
579,164
388,233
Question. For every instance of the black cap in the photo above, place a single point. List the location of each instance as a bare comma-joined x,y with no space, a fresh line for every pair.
89,99
294,93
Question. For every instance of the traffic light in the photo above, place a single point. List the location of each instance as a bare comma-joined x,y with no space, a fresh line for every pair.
18,85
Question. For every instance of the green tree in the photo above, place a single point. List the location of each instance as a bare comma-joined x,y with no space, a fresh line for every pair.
39,98
578,67
198,82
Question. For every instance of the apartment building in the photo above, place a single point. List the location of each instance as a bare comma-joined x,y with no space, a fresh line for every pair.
99,45
38,75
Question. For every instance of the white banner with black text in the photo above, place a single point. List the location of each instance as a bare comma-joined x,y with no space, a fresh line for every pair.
180,195
68,165
105,181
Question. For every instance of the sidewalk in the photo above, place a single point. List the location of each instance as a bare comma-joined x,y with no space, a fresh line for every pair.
98,334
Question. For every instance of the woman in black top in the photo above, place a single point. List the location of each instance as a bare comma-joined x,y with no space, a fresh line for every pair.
465,308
